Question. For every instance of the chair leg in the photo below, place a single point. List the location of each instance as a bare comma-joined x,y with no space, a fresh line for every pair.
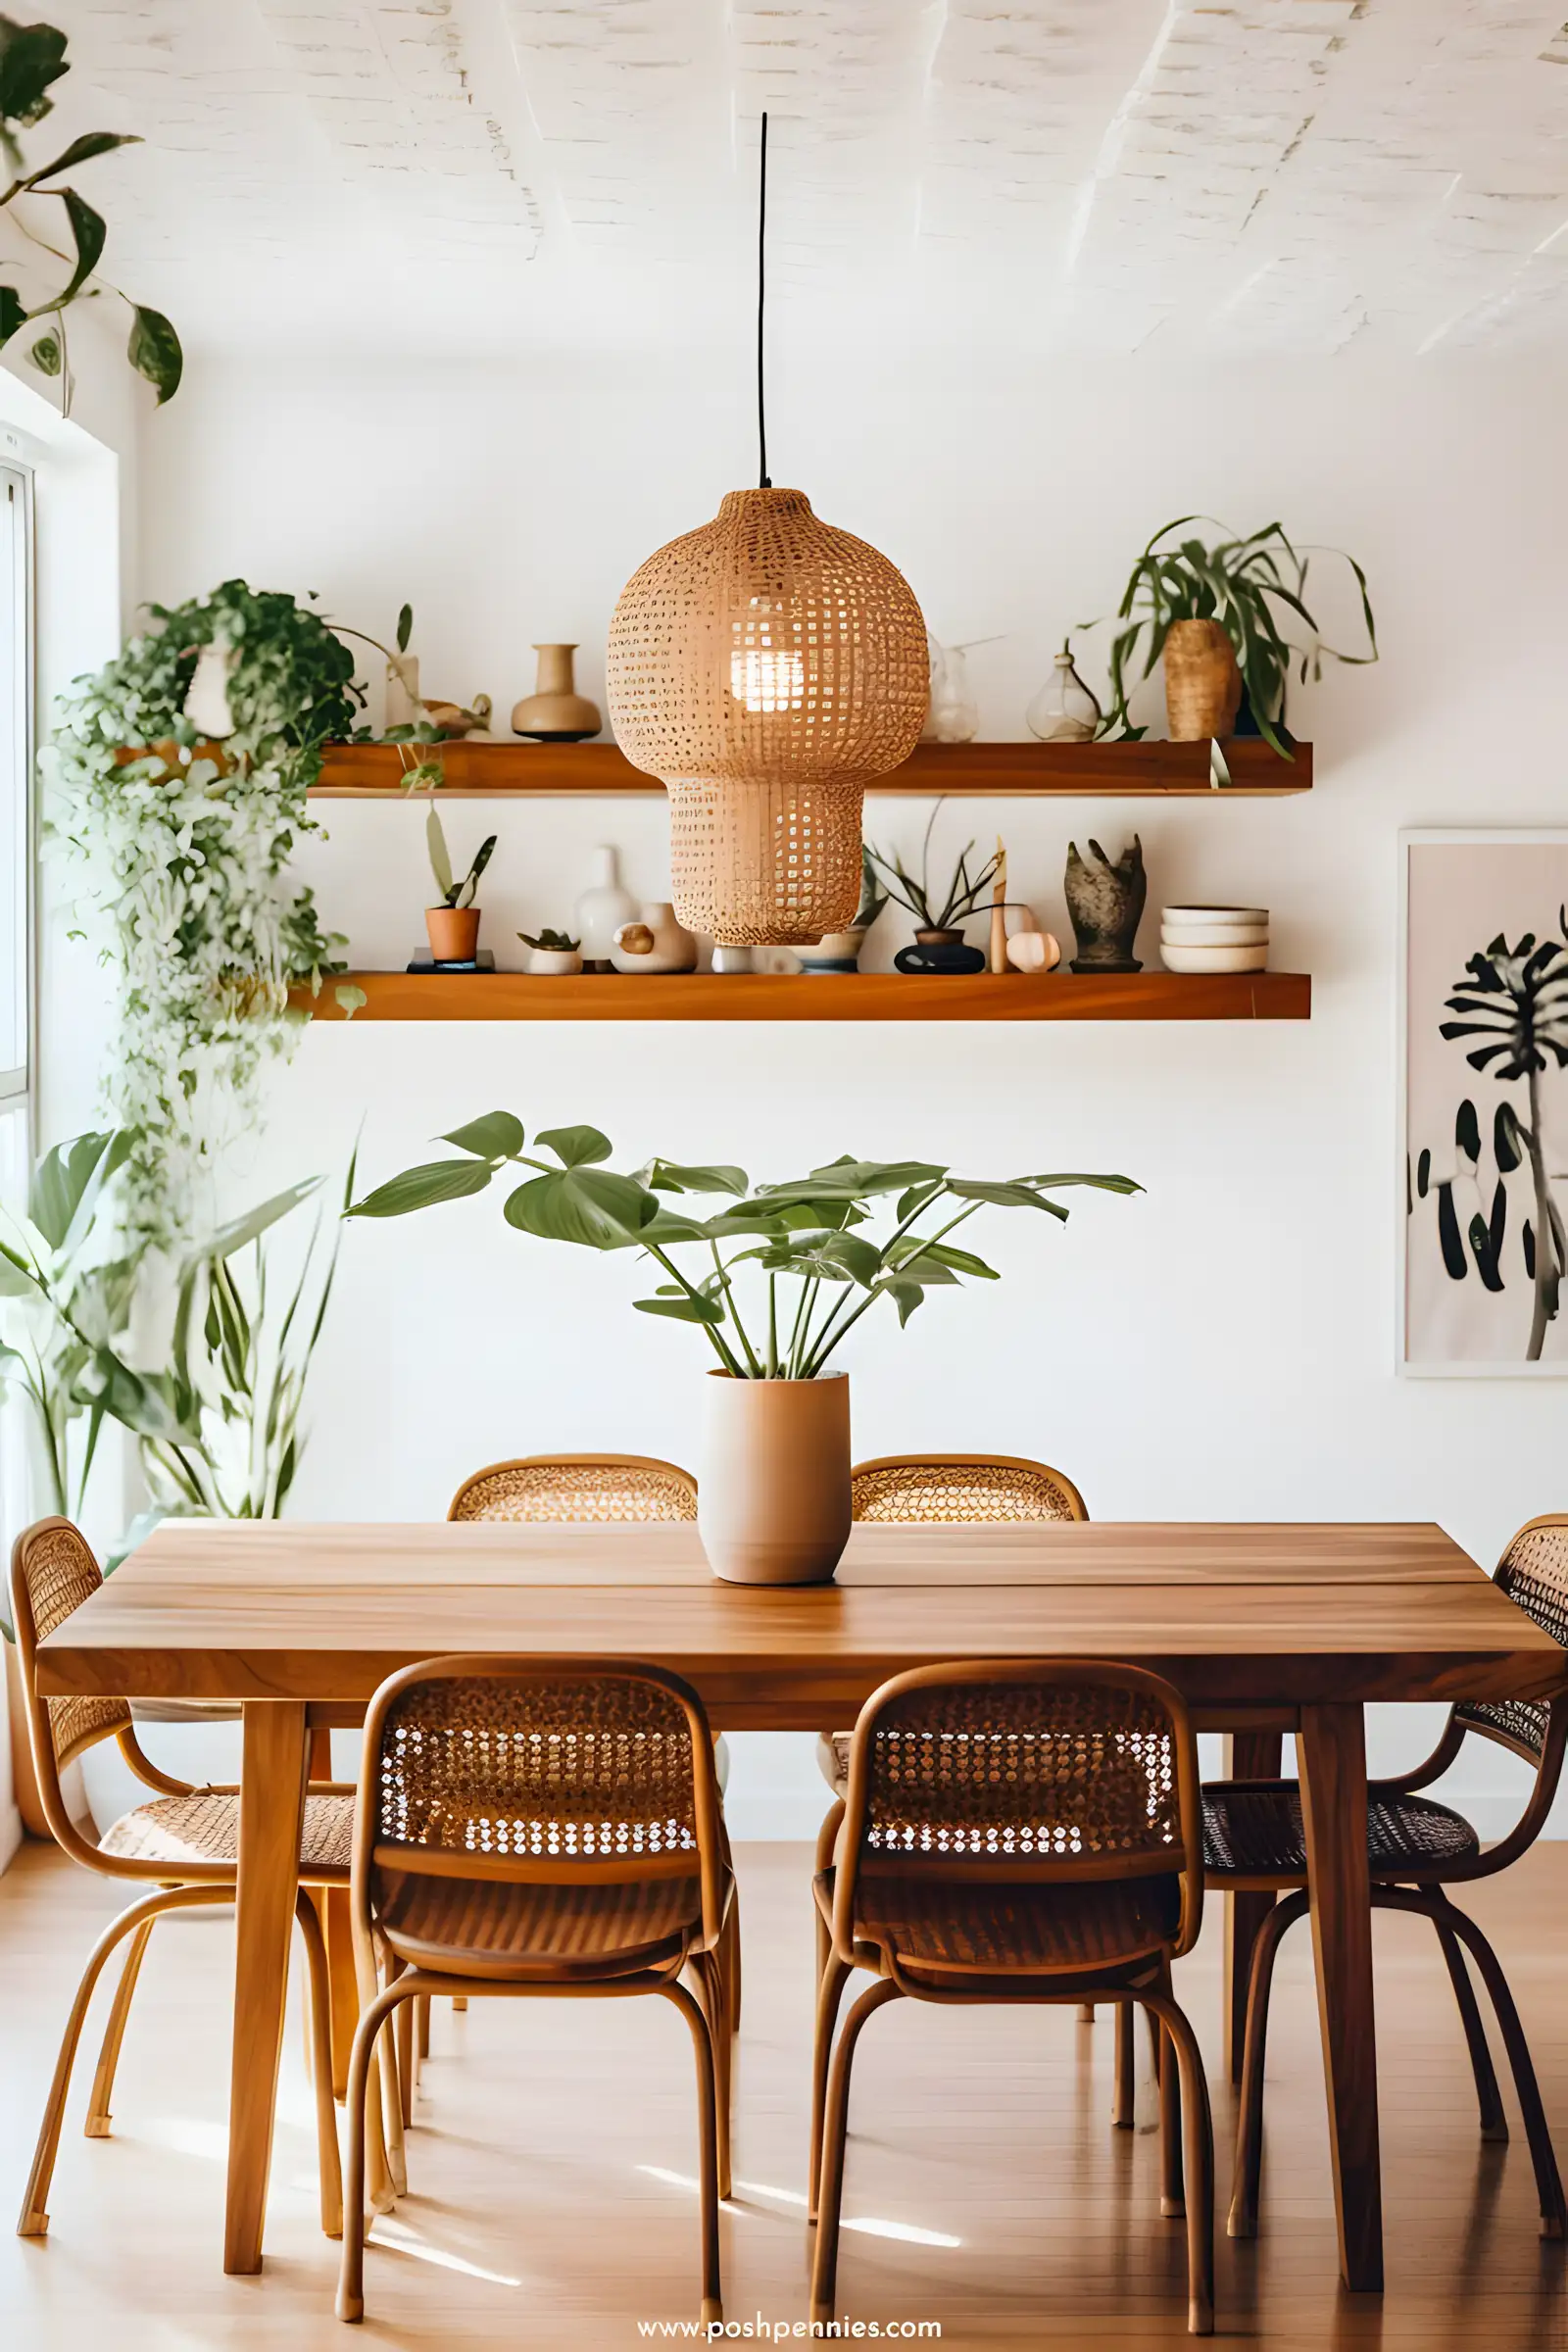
1494,2117
1549,2181
319,1982
1172,2187
1181,2056
387,2056
704,2044
829,1994
710,1970
350,2270
830,2199
1242,2218
422,2014
34,2216
405,2056
102,2082
1121,2110
826,1839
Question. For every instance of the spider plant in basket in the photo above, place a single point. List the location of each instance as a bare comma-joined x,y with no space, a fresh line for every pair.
775,1280
939,945
1210,611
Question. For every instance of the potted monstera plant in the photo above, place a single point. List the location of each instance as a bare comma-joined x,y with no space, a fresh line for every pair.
775,1279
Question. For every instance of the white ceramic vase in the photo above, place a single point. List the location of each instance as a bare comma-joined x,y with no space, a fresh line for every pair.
654,943
773,1492
602,909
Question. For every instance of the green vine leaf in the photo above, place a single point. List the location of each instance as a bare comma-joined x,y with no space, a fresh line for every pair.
154,350
47,356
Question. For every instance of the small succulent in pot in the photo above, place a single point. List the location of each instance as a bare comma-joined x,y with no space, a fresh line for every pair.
552,953
453,924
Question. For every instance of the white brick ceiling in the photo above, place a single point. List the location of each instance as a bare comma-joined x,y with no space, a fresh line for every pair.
1289,175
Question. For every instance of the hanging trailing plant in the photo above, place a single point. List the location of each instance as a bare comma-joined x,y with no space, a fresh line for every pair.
184,845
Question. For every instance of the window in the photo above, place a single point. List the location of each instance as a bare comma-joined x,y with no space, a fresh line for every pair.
17,832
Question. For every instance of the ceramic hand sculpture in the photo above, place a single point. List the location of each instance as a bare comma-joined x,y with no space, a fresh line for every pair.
1105,902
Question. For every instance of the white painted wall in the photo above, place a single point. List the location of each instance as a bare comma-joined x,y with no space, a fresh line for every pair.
1223,1348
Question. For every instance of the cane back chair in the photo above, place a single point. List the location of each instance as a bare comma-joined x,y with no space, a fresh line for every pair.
954,1489
1019,1832
1417,1848
541,1828
182,1848
587,1489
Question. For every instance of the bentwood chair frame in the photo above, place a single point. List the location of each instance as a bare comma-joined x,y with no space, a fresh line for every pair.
158,1847
1418,1848
576,1487
1019,1833
512,1813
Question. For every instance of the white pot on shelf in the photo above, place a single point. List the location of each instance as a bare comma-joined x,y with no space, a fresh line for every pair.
552,962
655,943
602,908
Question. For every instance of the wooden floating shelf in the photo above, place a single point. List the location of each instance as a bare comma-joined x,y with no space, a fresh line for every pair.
1150,996
369,771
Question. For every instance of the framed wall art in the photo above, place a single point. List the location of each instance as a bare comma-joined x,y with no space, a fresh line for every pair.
1483,1085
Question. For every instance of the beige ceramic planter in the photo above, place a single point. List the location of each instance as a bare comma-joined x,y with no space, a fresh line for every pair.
773,1496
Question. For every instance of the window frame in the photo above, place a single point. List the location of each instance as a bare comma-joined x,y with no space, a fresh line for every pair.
18,1085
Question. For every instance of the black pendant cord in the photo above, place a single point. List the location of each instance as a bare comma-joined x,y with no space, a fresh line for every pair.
762,299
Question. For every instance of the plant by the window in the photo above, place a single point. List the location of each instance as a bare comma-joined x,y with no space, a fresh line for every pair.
1237,582
65,1293
238,1367
32,59
964,894
185,853
810,1232
555,942
460,892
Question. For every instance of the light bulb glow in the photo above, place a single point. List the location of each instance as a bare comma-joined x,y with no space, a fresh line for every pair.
765,676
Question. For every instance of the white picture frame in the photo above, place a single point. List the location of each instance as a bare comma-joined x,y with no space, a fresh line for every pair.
1486,882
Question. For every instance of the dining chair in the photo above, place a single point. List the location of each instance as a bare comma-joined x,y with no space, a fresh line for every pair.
1019,1833
540,1829
183,1846
1417,1848
954,1489
579,1487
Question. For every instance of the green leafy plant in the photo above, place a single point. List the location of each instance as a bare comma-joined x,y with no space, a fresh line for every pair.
964,893
459,892
238,1367
554,942
1237,582
1515,1000
184,851
32,59
808,1232
65,1293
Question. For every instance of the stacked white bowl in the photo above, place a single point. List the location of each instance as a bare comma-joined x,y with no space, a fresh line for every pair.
1213,939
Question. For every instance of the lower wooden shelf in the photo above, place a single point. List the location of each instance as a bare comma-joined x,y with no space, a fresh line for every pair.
1148,996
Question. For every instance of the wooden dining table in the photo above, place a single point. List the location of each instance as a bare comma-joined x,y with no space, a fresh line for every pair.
1264,1629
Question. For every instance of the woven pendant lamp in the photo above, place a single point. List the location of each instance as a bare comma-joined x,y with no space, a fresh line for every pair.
766,667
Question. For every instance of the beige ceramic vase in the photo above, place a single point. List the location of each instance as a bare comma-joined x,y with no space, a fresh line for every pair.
555,712
774,1495
1202,683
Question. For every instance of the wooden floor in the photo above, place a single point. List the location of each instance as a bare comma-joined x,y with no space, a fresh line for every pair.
552,2199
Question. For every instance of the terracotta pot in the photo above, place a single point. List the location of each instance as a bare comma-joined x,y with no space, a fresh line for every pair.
1202,683
773,1497
23,1779
453,932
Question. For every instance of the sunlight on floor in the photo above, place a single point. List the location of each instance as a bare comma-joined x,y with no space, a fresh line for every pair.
906,2231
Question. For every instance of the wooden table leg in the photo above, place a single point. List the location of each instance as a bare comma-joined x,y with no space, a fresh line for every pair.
1249,1756
1332,1747
270,1815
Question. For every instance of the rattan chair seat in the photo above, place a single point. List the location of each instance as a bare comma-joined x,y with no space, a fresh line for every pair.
203,1831
461,1925
932,1926
1257,1831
